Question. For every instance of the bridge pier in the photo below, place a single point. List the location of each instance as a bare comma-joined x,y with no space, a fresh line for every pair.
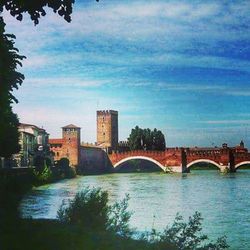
228,169
173,169
224,169
177,169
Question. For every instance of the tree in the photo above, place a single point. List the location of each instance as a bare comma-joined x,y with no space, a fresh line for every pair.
9,135
63,164
10,78
146,139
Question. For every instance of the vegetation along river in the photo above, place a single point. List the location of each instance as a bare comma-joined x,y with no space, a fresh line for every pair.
155,198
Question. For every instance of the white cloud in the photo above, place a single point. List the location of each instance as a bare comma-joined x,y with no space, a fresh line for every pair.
168,28
191,87
236,121
63,82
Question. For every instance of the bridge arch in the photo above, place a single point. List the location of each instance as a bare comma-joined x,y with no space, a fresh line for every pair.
140,158
242,163
204,160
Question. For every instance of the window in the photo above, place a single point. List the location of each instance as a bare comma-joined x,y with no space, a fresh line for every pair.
39,139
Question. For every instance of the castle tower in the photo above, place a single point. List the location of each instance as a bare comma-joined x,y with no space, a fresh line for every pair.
107,129
71,143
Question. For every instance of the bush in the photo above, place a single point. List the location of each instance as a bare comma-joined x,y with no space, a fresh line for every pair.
43,177
119,218
186,235
65,169
90,210
12,188
70,173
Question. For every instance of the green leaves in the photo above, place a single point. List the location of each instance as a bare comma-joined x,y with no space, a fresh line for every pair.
10,78
36,9
88,209
186,235
119,217
146,139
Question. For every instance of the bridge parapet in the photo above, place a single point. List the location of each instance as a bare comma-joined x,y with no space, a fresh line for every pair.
241,158
180,159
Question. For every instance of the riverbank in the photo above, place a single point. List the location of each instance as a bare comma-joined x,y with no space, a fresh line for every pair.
89,222
155,198
50,235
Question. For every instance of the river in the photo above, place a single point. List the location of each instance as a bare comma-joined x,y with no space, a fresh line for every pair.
155,198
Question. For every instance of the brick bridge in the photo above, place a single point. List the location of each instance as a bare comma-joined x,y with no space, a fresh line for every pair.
181,159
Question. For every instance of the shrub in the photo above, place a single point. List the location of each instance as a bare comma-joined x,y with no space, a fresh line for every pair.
186,235
89,209
119,218
65,169
70,173
45,176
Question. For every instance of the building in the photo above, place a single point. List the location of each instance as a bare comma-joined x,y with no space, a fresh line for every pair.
89,158
68,146
107,129
33,141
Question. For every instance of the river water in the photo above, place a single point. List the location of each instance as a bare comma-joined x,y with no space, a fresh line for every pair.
155,198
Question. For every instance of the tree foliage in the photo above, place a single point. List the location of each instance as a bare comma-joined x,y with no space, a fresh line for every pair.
44,176
10,79
146,139
119,217
9,135
186,235
36,8
90,210
66,171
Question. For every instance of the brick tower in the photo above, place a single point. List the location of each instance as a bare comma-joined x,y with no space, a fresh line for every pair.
107,129
71,143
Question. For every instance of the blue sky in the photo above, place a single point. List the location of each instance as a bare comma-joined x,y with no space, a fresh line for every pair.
180,66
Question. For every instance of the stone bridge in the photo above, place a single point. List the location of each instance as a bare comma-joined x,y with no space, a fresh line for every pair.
181,159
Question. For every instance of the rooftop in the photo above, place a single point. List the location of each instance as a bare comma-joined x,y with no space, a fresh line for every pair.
25,125
71,126
55,141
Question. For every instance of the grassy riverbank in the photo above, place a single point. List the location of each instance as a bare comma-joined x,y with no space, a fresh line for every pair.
52,235
88,222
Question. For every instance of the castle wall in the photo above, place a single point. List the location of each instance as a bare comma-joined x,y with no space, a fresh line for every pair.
57,150
94,160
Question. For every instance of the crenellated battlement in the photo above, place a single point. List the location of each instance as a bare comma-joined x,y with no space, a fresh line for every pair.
181,159
106,112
